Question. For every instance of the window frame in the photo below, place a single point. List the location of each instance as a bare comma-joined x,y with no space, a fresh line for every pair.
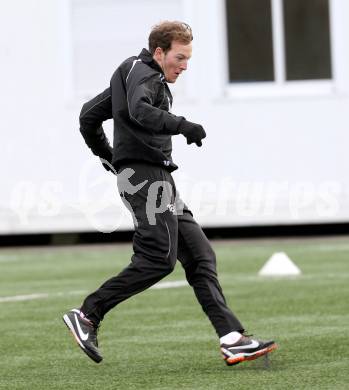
280,87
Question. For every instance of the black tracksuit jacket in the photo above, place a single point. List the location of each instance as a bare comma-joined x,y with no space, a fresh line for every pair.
139,101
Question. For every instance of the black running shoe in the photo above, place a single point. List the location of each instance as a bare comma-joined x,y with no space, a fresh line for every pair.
84,332
246,349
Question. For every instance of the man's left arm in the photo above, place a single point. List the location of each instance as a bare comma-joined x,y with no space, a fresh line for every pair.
141,94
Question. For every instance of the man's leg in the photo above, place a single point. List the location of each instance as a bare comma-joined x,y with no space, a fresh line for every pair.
199,262
154,245
155,253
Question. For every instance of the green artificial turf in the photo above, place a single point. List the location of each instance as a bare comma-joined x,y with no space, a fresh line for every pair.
160,339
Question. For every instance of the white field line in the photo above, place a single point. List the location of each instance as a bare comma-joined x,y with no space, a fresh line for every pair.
31,297
19,298
173,284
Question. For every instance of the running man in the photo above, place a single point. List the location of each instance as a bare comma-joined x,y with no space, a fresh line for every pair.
139,101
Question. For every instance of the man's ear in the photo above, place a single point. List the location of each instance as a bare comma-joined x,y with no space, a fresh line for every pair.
158,53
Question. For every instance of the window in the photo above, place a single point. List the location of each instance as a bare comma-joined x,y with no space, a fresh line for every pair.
307,39
250,40
278,40
102,36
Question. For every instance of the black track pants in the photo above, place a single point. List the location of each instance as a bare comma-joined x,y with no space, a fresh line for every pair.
161,236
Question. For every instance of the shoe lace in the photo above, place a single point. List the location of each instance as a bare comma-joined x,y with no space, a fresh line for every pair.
96,328
95,331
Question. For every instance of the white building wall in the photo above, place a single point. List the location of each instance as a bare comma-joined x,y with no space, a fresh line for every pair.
273,154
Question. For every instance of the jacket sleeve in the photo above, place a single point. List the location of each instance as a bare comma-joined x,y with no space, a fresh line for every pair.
92,115
141,97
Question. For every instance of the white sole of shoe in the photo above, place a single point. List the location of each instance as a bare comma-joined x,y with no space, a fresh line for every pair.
71,328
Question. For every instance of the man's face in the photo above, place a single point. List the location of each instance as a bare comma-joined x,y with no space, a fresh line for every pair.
175,61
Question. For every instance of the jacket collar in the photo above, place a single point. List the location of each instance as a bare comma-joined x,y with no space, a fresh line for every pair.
148,59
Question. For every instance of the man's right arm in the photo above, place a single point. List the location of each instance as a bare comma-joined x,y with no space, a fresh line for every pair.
141,94
92,115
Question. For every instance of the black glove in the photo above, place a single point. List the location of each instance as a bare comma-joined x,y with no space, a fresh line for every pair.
193,132
106,156
107,165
